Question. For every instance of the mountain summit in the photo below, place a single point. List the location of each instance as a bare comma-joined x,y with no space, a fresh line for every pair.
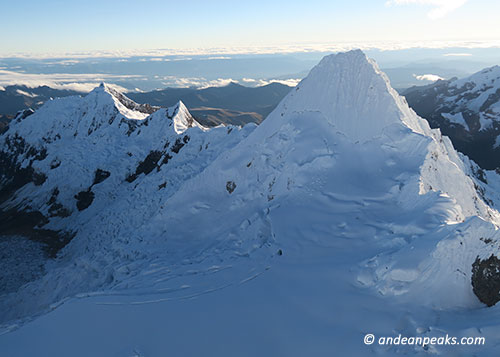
354,95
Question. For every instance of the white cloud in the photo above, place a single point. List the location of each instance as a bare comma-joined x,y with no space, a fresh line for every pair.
26,94
440,7
291,82
67,62
85,87
77,82
457,54
201,83
428,77
198,82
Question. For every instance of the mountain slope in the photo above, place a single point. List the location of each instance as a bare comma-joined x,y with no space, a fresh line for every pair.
342,214
232,104
79,159
467,110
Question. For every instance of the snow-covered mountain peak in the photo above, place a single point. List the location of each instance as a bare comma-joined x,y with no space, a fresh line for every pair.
354,95
183,119
105,95
347,94
484,78
467,110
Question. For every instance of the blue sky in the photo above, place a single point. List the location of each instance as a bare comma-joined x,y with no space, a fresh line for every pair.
56,26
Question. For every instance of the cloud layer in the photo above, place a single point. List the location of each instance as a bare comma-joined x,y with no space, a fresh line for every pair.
86,82
200,82
77,82
223,52
428,77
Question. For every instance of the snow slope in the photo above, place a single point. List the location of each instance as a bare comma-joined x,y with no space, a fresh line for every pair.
477,97
106,169
342,214
479,93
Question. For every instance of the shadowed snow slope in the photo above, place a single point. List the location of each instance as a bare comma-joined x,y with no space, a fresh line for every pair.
342,214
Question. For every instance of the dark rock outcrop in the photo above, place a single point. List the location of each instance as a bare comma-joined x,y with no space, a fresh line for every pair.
100,176
230,186
84,199
486,280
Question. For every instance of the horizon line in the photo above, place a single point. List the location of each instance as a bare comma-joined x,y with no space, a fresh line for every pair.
263,50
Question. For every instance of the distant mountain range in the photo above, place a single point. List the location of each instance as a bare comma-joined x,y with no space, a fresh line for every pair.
19,97
232,104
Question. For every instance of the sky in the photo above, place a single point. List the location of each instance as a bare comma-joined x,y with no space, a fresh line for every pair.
62,27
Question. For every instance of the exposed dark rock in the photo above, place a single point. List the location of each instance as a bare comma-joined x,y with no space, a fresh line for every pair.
24,220
166,159
479,174
178,145
53,198
230,186
146,166
131,124
27,223
58,210
13,176
24,114
54,164
84,199
486,280
39,178
100,176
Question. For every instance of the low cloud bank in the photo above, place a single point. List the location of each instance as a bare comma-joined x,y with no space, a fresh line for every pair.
77,82
428,77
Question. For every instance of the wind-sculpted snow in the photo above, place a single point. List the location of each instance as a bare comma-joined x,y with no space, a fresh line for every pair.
343,213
